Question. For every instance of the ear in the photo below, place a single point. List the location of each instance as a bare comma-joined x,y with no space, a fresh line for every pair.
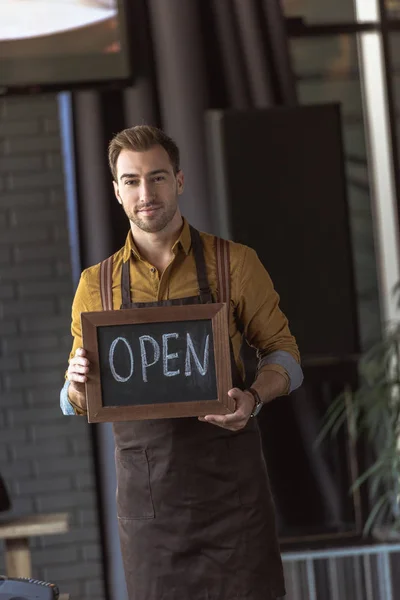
180,179
116,192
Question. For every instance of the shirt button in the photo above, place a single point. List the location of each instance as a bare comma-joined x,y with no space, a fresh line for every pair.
153,270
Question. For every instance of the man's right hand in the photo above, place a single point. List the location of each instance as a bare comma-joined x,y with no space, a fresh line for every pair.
77,376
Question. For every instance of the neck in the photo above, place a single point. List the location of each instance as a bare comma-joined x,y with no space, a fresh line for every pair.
156,247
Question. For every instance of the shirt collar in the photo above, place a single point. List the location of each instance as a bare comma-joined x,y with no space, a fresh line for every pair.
184,241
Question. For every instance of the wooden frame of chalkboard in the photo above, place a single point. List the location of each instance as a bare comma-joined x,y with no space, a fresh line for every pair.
117,344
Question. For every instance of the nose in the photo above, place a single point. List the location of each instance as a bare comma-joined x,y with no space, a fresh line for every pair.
146,191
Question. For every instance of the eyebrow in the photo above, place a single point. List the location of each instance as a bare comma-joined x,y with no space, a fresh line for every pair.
135,175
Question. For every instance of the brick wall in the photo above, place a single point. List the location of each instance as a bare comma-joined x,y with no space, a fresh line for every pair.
45,458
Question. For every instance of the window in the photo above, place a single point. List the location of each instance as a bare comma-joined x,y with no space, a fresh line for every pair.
320,11
327,70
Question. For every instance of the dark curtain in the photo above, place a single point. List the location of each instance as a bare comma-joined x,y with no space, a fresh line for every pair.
187,57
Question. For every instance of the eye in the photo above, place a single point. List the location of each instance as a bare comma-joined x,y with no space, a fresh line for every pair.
159,178
131,182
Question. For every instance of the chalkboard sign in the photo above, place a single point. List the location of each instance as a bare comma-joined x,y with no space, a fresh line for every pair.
160,362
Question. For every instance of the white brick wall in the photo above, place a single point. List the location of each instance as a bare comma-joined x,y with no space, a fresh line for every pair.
45,457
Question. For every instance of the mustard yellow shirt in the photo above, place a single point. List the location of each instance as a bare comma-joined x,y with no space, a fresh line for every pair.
254,305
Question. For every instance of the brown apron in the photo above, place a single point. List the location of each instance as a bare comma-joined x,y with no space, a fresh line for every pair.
195,512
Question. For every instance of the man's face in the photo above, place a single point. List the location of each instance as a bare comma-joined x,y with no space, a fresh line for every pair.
147,188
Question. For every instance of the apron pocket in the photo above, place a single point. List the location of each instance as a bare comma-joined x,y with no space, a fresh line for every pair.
134,499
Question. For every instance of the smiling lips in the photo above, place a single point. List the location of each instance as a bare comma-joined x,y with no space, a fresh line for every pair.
148,209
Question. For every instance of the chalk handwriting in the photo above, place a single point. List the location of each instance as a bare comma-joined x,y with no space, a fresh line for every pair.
150,354
156,347
190,351
167,357
111,359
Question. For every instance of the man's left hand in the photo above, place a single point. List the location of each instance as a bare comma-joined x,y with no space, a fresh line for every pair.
238,419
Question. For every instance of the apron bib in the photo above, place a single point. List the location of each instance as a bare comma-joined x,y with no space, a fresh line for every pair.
195,512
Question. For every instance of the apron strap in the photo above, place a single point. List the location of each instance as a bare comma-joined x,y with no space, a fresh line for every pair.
223,274
204,287
223,270
222,256
201,269
106,283
125,285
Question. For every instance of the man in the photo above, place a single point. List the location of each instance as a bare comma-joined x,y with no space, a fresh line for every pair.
195,511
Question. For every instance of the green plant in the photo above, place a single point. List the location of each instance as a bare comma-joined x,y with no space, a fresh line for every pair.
373,410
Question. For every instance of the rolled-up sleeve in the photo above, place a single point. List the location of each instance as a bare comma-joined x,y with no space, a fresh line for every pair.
81,303
66,406
265,327
283,360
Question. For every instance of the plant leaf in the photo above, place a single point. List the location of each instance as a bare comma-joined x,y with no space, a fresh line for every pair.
373,469
374,514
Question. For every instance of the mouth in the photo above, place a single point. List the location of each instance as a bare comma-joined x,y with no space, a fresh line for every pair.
149,210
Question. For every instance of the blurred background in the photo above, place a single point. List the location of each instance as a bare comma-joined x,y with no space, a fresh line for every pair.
287,117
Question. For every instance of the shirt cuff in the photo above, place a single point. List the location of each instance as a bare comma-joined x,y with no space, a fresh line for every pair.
286,364
66,406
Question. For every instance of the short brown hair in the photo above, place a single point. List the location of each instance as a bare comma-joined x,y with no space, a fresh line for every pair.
139,139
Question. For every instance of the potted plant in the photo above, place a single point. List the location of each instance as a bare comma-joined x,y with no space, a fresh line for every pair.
373,410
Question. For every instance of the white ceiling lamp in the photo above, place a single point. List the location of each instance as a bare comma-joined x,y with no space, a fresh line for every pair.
21,19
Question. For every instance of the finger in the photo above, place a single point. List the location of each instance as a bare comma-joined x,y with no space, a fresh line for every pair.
226,420
73,368
79,360
240,396
80,352
238,415
220,420
75,377
230,426
235,393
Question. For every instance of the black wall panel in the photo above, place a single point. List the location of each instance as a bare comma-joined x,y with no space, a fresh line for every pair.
279,183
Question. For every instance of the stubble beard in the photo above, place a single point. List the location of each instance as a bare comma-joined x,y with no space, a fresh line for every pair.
156,223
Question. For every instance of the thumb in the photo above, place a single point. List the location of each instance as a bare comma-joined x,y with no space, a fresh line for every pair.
234,393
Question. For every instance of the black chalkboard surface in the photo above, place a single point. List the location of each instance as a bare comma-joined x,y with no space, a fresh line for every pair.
157,362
